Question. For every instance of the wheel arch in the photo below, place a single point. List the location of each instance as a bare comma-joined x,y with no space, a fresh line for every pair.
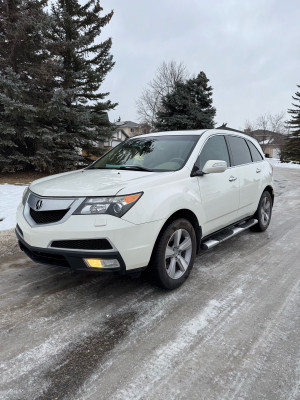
189,216
271,191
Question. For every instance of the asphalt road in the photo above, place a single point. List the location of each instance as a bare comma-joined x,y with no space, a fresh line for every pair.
231,332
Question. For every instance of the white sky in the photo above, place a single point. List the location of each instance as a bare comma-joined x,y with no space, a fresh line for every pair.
249,49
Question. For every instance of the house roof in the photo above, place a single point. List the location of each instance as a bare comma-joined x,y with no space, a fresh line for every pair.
130,124
264,136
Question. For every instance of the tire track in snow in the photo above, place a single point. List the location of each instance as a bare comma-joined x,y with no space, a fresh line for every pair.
272,334
161,361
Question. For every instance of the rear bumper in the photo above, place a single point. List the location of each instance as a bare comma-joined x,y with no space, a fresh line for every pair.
68,258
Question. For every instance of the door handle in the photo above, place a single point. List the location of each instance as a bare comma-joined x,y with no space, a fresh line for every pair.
232,178
258,170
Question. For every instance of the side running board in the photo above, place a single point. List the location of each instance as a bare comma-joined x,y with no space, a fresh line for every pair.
227,233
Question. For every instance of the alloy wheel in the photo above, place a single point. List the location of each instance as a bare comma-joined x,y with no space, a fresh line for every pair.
265,211
178,253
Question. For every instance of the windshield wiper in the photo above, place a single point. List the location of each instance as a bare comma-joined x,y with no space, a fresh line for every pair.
135,167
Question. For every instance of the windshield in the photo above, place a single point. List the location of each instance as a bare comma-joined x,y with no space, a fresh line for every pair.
155,153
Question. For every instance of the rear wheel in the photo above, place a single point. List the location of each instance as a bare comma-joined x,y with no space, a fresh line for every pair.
174,254
263,213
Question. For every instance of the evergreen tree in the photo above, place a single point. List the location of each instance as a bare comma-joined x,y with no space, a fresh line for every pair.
188,106
78,110
51,70
291,150
22,79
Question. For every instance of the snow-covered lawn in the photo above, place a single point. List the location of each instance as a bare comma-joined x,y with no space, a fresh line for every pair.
10,197
276,163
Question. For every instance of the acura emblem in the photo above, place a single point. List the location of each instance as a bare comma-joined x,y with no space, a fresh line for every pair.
39,204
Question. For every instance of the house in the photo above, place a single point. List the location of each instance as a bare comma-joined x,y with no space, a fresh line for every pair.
270,142
125,130
117,137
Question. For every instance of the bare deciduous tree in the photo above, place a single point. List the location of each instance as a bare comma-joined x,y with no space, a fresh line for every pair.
162,84
265,128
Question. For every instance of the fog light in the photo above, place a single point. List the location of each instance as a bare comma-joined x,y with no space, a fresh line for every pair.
101,263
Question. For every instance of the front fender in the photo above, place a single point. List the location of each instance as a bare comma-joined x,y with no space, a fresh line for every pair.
160,202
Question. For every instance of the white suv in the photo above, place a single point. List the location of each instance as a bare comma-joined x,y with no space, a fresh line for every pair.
153,201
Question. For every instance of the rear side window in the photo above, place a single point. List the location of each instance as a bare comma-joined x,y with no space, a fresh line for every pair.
214,149
239,150
256,156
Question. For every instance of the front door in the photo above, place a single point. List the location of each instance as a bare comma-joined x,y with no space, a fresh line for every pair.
219,191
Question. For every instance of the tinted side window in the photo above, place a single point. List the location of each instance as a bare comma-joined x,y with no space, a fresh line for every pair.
239,150
256,156
214,149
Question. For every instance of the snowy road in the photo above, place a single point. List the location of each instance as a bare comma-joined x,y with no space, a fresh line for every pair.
231,332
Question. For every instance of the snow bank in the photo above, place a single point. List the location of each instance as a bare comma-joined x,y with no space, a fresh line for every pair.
10,198
276,163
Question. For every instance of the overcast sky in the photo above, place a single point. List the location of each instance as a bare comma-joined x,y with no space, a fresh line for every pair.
249,49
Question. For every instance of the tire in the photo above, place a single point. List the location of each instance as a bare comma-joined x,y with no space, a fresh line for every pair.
263,213
174,255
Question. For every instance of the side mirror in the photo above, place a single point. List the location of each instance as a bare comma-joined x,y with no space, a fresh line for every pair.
196,171
214,166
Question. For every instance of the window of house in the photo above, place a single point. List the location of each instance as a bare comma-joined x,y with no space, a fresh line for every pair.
132,130
239,150
256,156
214,149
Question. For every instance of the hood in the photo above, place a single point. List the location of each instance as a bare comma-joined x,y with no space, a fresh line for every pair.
91,182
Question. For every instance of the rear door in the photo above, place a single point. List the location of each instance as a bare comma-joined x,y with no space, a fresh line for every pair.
262,171
247,173
219,191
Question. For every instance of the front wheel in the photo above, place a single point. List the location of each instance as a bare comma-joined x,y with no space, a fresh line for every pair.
174,254
263,213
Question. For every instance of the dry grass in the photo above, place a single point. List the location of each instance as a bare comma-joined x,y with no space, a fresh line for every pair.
8,243
21,178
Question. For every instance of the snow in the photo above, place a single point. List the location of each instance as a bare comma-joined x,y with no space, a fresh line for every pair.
10,198
267,141
276,163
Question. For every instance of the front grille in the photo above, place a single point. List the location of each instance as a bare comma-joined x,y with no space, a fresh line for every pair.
47,217
87,244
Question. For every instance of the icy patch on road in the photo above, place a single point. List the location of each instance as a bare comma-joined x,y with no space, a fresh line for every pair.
161,362
10,198
277,163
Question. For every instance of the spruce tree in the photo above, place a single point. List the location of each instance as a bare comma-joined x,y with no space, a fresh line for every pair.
78,110
291,150
22,78
51,70
188,106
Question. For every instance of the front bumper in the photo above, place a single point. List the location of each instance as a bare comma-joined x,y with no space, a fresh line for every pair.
132,244
68,258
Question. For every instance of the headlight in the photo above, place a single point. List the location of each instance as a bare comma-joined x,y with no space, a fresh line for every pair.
25,195
116,206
